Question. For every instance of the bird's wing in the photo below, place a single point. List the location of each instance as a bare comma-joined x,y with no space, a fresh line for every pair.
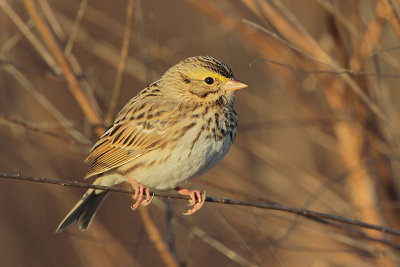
141,126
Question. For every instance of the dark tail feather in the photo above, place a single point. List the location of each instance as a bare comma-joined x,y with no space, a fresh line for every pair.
83,212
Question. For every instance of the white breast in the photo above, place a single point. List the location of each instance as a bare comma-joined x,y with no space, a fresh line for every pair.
189,159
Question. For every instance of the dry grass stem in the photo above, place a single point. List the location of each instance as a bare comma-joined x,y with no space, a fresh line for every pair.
75,28
73,83
155,237
30,36
122,62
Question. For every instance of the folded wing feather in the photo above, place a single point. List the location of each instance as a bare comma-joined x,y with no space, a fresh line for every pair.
128,139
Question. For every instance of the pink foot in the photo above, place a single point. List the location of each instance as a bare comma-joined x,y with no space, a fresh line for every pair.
138,196
197,199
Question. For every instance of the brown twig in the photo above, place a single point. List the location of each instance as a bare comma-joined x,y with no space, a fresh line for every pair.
313,51
75,28
156,238
15,39
122,62
271,205
142,41
342,71
24,68
30,127
73,83
392,15
37,45
106,51
53,20
42,100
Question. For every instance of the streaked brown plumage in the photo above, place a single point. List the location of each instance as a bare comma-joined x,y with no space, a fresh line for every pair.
175,129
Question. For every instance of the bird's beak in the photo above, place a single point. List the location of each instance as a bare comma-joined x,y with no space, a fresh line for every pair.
234,85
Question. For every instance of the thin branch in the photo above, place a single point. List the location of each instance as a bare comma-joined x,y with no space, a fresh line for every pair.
51,18
289,123
170,220
12,41
155,236
74,86
318,55
392,15
271,205
122,62
105,51
26,31
356,233
341,71
142,41
292,46
340,18
196,231
48,75
30,127
47,105
75,28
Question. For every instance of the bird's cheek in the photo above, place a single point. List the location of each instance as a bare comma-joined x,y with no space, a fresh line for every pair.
199,90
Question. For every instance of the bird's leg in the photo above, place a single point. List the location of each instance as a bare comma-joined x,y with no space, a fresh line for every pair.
138,196
197,199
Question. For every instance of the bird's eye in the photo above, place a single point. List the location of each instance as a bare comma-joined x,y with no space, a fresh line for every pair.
209,80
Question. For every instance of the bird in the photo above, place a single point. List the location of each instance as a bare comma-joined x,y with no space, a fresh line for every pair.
175,129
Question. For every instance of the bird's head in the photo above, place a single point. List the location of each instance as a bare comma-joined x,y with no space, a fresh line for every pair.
201,78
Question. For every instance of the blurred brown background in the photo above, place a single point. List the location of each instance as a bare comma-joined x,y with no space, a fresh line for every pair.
318,129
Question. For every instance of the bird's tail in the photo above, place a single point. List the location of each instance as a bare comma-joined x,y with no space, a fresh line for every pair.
83,212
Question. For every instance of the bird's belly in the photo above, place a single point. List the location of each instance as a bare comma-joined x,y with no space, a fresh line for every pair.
167,168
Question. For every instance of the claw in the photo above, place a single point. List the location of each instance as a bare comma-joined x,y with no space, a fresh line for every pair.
148,199
138,196
197,199
136,188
